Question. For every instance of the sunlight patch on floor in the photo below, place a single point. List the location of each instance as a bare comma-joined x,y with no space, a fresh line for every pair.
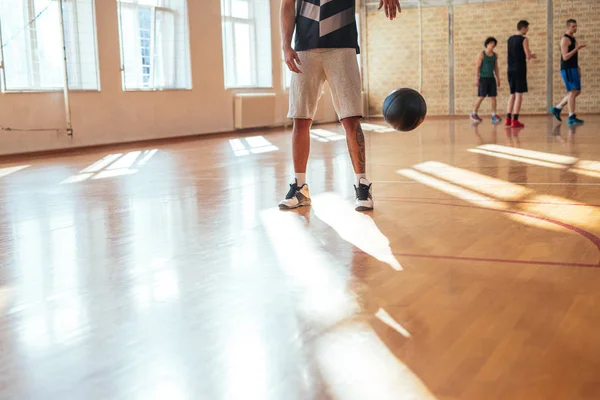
354,227
113,165
5,171
387,319
354,362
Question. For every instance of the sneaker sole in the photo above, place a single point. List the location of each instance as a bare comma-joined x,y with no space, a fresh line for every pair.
363,208
303,204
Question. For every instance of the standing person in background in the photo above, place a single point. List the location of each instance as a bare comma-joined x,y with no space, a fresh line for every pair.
487,79
518,54
571,73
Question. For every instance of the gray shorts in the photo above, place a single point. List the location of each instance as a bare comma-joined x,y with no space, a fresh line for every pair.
339,67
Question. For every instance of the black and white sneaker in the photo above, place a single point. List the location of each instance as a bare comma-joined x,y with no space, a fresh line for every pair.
364,199
296,197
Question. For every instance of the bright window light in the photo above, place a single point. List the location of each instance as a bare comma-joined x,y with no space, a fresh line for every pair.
246,33
354,227
32,49
454,190
536,155
517,158
100,164
376,128
323,135
496,188
251,145
387,319
113,165
155,49
11,170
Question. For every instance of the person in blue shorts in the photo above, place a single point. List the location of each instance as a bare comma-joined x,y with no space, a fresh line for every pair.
571,73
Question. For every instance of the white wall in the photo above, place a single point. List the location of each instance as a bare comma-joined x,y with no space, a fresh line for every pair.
114,116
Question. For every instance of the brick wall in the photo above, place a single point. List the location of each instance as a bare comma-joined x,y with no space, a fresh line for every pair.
392,52
472,24
393,57
587,14
435,60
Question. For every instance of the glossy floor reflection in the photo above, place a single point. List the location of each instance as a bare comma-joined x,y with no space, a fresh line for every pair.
165,271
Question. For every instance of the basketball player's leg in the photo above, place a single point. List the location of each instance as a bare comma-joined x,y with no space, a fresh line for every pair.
494,102
305,91
509,108
573,85
565,101
301,147
475,114
520,88
558,108
492,92
512,83
518,104
571,101
355,139
343,75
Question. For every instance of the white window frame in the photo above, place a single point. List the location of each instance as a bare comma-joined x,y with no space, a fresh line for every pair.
153,10
34,85
250,21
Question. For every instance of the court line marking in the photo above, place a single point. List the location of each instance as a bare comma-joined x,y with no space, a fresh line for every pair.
488,201
516,183
499,260
588,235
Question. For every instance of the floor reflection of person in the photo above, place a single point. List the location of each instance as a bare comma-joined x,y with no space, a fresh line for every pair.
517,171
487,165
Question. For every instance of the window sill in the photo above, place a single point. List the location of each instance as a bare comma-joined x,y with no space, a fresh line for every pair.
250,88
50,91
158,90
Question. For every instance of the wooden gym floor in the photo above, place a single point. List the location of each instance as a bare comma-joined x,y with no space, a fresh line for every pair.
167,272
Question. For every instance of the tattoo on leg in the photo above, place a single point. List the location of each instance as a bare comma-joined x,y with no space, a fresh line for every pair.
362,157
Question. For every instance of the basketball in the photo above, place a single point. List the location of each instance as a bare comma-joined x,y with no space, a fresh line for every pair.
404,109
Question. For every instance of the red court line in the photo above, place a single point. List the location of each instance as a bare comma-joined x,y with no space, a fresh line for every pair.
498,260
490,201
588,235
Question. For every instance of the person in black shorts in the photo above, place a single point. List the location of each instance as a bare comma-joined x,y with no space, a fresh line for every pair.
487,79
518,54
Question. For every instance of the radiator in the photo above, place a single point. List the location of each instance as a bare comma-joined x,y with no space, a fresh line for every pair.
254,110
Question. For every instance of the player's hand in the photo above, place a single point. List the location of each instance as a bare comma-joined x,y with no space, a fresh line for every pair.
533,56
390,7
580,46
292,60
498,82
476,82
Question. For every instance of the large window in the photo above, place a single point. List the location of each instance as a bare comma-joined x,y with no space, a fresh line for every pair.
32,51
247,43
155,51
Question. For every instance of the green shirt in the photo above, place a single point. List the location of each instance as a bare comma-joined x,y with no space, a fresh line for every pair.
487,66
